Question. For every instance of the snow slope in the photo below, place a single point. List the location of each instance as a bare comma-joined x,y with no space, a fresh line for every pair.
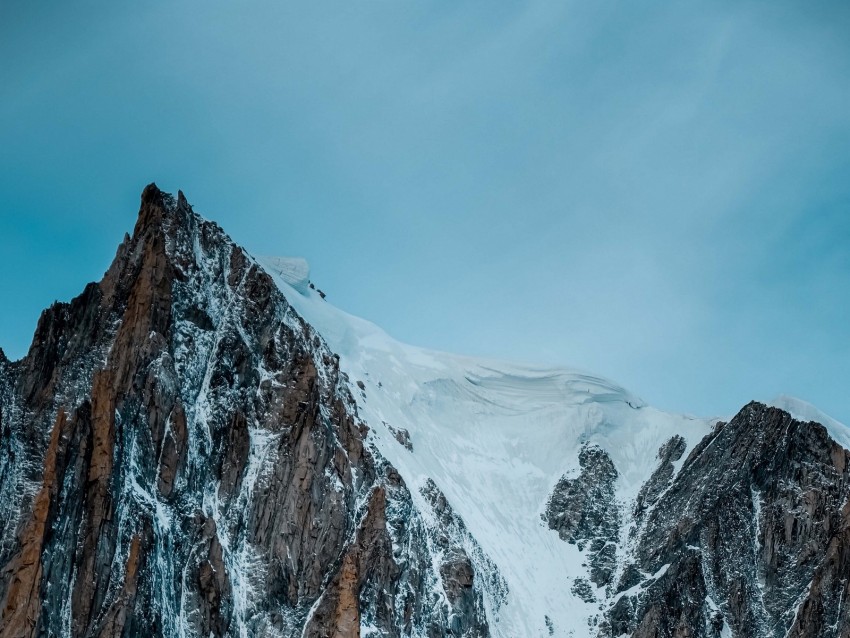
496,437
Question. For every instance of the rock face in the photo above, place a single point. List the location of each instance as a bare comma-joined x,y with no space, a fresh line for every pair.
584,512
179,455
750,539
182,455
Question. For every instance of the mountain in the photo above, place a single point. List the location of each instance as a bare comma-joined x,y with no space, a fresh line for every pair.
201,445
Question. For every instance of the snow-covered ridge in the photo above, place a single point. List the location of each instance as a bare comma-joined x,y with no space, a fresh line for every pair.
496,437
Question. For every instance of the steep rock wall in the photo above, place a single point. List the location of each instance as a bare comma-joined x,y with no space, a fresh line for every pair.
180,456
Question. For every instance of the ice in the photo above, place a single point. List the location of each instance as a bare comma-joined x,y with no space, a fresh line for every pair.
295,271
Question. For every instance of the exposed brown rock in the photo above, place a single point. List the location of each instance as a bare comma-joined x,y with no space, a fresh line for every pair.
22,603
173,454
212,476
236,456
116,618
213,584
346,618
97,540
338,614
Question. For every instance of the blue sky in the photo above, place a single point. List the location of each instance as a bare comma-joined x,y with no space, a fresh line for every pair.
657,192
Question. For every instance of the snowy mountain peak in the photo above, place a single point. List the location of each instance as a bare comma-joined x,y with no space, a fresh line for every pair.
200,445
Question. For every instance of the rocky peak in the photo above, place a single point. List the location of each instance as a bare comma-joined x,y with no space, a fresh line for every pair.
180,456
154,207
160,213
736,539
181,200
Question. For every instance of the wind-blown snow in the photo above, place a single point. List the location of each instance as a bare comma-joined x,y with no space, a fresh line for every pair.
496,437
295,271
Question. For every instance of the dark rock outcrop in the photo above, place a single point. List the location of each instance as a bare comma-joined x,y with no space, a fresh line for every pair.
584,511
402,436
179,455
460,559
649,493
750,538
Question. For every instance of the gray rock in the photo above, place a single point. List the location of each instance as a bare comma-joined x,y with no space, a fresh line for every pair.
180,455
584,511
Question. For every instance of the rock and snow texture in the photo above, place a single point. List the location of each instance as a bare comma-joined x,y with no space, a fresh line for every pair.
498,439
565,479
180,456
201,445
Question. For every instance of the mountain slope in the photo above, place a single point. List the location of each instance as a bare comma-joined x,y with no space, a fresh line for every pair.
201,445
181,457
496,437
